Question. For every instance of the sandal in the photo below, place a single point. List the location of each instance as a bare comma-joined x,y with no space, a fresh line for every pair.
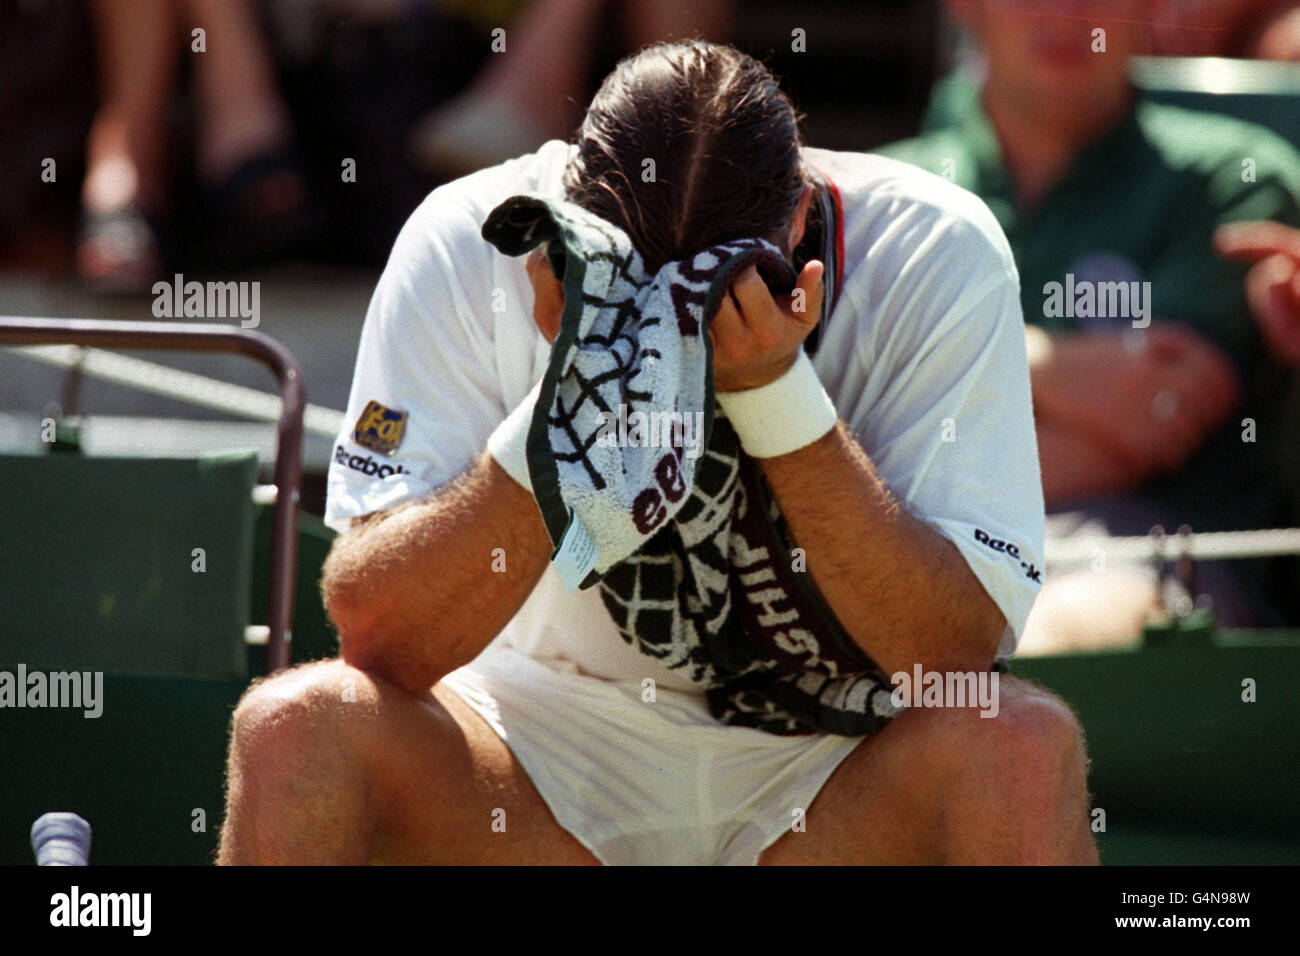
118,252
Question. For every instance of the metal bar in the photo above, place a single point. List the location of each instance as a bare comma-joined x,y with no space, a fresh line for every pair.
176,336
1207,546
178,385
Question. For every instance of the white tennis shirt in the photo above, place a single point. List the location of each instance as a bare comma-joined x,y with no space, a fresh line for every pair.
923,356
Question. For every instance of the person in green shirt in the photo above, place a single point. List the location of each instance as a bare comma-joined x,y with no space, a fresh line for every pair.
1155,399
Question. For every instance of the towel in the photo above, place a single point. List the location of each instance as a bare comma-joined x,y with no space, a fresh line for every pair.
644,488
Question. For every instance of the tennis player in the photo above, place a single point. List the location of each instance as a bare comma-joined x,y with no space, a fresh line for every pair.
482,713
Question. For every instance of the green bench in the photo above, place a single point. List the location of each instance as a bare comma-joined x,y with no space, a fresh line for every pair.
107,582
1184,768
162,579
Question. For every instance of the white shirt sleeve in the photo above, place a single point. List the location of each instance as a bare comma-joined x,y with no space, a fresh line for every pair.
946,415
425,395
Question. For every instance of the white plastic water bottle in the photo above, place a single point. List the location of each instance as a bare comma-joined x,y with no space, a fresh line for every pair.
61,839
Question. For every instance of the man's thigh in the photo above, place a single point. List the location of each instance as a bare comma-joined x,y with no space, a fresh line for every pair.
889,800
859,816
450,791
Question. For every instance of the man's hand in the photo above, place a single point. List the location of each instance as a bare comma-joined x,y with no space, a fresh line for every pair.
1273,283
1149,399
756,337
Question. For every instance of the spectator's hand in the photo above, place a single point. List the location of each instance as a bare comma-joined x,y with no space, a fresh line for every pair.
1279,37
1273,283
1151,399
756,337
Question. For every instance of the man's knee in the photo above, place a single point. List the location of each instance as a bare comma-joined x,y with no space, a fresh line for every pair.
299,758
297,710
1008,788
1040,731
1033,743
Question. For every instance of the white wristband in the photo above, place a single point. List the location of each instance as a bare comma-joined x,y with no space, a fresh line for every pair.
782,416
508,444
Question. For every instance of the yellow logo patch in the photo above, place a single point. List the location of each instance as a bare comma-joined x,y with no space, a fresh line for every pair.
380,429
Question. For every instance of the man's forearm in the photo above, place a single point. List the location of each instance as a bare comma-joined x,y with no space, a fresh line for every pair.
900,589
421,590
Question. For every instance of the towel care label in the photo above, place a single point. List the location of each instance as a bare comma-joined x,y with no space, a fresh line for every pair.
576,555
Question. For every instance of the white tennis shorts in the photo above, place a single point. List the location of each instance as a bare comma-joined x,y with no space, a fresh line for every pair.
646,782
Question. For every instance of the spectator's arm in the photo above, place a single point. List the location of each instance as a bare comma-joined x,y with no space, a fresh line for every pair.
1075,467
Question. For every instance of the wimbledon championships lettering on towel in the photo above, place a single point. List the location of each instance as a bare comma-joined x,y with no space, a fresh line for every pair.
690,550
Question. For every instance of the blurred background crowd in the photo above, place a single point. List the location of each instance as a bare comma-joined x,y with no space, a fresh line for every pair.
140,138
174,159
210,133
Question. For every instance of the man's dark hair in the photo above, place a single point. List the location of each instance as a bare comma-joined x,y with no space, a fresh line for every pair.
724,140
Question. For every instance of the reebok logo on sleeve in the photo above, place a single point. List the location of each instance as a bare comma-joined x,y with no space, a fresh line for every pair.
366,465
1007,548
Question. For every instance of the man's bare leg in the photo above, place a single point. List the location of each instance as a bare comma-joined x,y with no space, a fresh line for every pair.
949,786
330,765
